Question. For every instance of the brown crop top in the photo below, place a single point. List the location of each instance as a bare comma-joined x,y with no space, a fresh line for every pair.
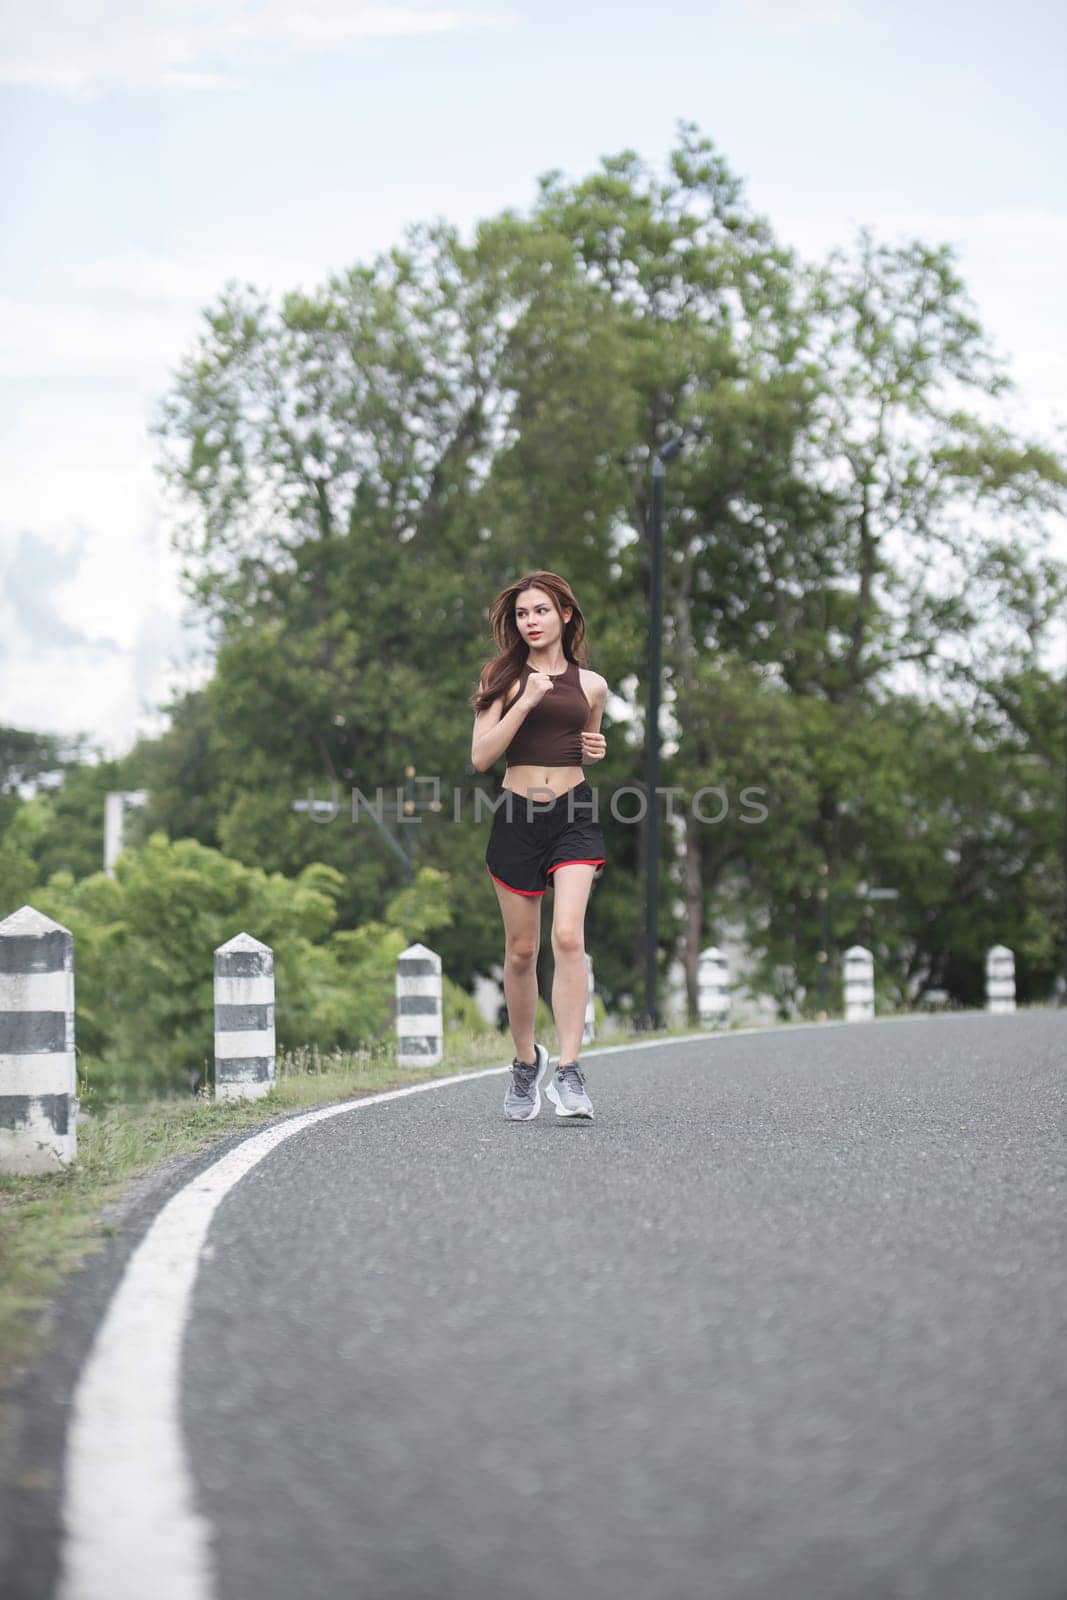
550,735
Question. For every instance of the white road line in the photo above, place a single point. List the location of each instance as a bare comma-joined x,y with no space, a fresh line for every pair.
130,1523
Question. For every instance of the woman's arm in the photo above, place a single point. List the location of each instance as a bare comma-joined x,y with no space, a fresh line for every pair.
594,745
494,732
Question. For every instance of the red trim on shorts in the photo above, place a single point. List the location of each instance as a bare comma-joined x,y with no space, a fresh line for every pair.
599,862
504,885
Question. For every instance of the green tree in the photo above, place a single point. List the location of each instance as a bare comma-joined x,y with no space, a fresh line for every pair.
144,946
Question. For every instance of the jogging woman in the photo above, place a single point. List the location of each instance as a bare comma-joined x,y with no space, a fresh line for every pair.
538,706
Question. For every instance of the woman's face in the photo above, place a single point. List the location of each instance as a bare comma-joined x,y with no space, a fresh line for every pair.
538,621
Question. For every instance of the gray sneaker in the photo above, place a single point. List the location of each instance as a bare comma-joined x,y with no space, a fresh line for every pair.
567,1090
523,1098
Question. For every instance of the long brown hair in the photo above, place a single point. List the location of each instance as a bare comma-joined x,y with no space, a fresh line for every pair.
512,648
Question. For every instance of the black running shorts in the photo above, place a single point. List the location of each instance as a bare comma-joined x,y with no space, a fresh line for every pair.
530,839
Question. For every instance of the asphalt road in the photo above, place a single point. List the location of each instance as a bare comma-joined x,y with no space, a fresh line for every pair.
785,1322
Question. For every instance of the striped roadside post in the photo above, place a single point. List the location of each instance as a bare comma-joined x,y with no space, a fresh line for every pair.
589,1030
677,1006
418,1007
1000,979
38,1108
713,986
859,984
244,1019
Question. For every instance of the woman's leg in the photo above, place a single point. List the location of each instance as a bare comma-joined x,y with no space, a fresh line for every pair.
522,940
570,985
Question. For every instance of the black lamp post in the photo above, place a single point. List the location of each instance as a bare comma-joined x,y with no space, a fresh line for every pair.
651,1017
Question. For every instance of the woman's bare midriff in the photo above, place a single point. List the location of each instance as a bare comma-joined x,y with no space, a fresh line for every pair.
537,779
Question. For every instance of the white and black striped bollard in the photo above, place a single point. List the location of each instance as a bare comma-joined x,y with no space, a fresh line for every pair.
859,984
244,1019
713,987
38,1105
418,1007
1000,979
589,1030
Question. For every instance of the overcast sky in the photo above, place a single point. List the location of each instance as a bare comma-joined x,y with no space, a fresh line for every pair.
149,153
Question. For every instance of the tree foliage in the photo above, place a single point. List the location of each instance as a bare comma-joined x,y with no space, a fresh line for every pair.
144,944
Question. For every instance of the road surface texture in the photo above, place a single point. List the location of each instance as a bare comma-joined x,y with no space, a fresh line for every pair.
785,1322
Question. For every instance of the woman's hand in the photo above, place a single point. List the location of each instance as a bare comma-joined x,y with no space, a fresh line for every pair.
538,685
594,746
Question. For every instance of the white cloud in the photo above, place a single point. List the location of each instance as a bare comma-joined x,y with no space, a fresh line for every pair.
91,611
180,44
33,571
90,603
85,644
127,316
